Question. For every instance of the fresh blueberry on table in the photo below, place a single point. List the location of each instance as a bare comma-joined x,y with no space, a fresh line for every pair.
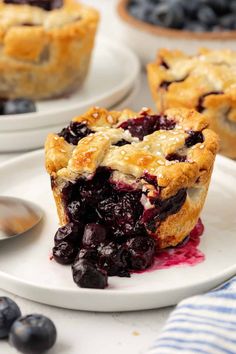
9,312
33,334
18,106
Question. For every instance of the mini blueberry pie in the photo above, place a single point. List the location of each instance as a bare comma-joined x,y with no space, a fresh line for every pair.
46,47
205,82
126,184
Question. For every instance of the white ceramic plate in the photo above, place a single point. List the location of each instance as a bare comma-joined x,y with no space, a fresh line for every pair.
22,140
114,70
25,268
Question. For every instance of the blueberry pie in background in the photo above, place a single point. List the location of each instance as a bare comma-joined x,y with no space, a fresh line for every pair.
126,184
46,47
205,82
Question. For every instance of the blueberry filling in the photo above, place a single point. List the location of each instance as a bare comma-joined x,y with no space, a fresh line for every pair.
162,209
106,233
122,142
165,84
176,157
164,64
47,5
194,138
200,107
147,124
75,132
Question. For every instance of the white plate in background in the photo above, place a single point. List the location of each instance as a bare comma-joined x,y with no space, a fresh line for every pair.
26,270
22,140
113,73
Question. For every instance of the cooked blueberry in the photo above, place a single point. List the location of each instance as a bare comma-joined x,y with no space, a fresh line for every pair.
75,210
33,334
71,233
176,157
194,138
141,252
94,234
86,275
113,259
47,5
9,312
145,125
122,143
121,211
75,132
19,106
207,16
64,253
88,254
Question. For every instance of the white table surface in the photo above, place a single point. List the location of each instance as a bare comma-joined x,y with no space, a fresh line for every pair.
98,333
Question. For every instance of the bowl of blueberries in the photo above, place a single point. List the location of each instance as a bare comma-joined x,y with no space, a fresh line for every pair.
177,24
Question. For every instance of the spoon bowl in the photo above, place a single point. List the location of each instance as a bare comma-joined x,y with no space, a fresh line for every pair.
17,216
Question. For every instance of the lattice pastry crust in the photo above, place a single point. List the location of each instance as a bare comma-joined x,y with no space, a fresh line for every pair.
205,82
43,53
172,164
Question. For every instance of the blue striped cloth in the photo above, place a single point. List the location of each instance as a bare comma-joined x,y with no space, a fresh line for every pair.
201,324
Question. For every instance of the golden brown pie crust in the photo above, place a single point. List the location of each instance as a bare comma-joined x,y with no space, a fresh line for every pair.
45,53
209,74
129,163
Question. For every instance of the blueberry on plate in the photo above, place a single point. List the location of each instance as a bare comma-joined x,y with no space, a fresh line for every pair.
64,253
71,233
19,106
9,312
94,234
141,252
33,334
86,275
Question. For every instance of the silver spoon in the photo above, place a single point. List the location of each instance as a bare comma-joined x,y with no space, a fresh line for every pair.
17,216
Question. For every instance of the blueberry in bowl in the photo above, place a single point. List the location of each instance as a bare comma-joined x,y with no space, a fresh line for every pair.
177,24
130,199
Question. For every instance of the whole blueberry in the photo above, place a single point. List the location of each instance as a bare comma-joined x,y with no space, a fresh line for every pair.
169,15
33,334
94,234
141,252
220,6
195,26
88,254
228,22
9,312
112,258
75,209
71,233
19,106
64,253
207,16
87,275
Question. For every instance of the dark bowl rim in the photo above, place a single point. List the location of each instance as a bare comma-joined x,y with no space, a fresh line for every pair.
171,33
